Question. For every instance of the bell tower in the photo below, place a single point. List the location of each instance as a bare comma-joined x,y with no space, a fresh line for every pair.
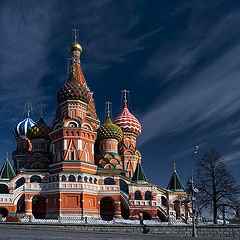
74,127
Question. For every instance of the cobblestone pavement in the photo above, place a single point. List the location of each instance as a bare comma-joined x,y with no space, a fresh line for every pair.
30,234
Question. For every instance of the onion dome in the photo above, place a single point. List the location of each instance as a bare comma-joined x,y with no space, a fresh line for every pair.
75,47
76,87
127,122
22,127
109,130
72,90
39,131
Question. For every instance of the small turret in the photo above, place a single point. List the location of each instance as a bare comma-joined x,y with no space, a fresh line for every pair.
175,183
7,172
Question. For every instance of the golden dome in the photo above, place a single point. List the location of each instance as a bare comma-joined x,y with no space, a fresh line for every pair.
109,130
75,47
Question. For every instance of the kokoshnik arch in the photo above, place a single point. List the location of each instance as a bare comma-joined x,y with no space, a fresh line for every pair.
78,168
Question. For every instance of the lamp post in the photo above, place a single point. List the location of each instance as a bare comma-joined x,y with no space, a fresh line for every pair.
194,230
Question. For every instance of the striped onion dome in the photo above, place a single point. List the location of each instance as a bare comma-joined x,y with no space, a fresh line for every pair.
127,122
22,127
109,130
76,87
39,131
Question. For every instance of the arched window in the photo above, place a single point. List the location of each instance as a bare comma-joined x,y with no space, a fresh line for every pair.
138,195
85,179
19,182
64,178
72,113
148,195
71,178
123,186
79,178
4,188
95,180
164,201
35,179
90,179
109,181
72,155
110,146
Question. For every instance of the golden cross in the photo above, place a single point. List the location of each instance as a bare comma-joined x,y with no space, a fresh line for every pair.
108,108
75,34
125,95
28,108
41,109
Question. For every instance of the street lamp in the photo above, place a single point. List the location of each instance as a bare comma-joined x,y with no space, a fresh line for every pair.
193,190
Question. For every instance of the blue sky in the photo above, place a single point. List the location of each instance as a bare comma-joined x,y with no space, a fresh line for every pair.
180,60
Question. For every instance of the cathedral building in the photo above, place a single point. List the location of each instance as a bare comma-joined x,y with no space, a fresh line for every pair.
79,168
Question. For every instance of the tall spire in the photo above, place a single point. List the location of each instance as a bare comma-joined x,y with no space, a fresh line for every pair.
7,172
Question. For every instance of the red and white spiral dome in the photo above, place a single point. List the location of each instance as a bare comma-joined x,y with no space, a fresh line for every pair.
127,122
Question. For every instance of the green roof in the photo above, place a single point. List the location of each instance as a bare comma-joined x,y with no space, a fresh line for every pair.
139,175
7,172
175,183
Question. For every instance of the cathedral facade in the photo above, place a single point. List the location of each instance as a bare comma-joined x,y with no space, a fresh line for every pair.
79,168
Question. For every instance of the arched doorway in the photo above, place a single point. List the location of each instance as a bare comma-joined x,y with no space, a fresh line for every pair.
161,216
124,209
39,207
21,204
3,211
107,208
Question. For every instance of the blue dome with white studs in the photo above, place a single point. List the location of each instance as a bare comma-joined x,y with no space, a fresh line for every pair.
22,127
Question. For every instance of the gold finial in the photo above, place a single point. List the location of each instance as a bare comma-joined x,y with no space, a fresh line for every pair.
75,46
108,104
41,109
7,156
28,108
75,34
174,167
125,96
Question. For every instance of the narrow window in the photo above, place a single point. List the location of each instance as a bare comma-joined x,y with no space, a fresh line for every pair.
72,113
72,155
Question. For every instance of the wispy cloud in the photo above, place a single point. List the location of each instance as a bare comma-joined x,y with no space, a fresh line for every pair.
212,95
232,158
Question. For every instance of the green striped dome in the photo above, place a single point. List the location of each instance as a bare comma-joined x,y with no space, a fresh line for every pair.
109,130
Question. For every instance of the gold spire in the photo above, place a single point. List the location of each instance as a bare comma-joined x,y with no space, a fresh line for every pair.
7,156
41,109
174,167
75,46
28,108
75,34
125,96
108,109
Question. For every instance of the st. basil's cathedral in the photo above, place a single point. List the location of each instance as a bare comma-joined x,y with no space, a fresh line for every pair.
78,168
